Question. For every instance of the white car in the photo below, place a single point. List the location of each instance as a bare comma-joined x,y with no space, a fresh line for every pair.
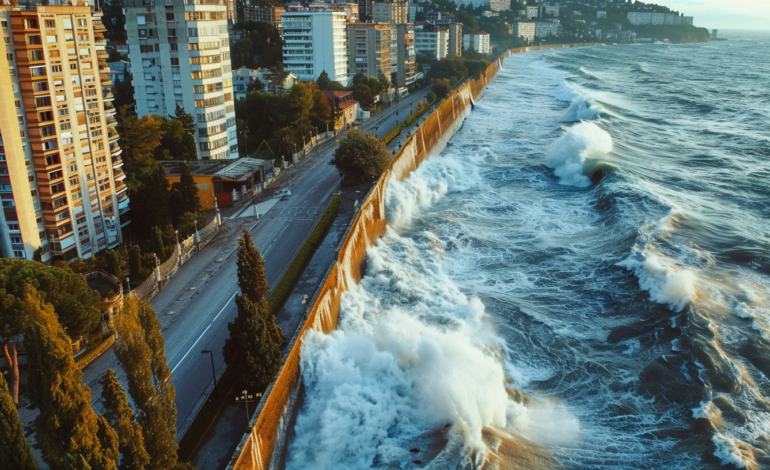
282,193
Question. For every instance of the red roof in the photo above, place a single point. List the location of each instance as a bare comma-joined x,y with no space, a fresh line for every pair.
337,94
347,104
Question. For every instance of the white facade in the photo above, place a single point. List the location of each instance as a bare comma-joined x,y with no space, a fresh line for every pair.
525,30
642,17
432,43
478,42
243,76
546,29
180,56
315,41
533,12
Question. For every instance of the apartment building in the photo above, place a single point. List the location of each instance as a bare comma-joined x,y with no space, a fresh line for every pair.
499,5
478,42
315,40
525,30
350,9
61,182
431,41
394,11
371,48
180,56
544,29
533,12
455,39
406,72
263,14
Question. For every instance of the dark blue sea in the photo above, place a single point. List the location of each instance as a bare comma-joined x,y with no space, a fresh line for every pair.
580,280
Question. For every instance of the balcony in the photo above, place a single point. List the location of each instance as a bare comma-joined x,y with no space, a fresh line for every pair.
118,174
112,134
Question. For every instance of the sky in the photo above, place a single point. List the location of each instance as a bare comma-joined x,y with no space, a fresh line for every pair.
723,14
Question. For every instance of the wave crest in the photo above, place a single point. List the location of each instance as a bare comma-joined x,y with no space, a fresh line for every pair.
577,152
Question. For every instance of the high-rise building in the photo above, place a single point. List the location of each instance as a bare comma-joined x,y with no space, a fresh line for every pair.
61,182
455,39
478,42
431,41
263,14
180,56
525,30
315,41
406,56
370,48
365,9
392,11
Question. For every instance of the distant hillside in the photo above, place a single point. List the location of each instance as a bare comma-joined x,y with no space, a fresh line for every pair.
676,34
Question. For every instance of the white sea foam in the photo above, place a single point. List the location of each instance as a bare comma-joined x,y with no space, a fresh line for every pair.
412,354
582,104
667,282
729,452
581,143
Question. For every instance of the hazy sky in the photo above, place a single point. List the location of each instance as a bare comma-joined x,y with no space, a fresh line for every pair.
724,14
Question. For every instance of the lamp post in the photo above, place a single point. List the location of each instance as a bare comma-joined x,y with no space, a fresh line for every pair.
213,370
246,399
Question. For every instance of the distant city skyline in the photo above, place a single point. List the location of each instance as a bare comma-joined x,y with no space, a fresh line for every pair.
736,14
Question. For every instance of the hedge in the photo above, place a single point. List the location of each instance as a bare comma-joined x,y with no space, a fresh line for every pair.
90,356
290,278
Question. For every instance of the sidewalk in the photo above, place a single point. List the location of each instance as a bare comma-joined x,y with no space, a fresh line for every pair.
217,447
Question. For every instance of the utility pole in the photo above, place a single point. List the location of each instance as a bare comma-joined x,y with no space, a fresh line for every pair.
213,371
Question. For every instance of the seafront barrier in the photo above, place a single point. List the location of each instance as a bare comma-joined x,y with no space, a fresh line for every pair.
264,447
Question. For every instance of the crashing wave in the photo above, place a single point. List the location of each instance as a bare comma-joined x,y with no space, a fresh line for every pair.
578,152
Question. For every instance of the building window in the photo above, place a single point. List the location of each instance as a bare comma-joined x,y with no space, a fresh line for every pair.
13,226
19,254
50,23
142,33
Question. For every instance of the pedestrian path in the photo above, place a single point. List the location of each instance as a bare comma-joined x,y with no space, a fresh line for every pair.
262,208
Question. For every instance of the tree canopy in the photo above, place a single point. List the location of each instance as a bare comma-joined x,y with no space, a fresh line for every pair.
361,157
15,451
120,415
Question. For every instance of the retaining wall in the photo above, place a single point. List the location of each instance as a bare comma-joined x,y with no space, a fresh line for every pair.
264,447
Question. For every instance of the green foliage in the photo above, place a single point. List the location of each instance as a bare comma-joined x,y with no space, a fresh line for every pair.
251,271
470,23
141,136
152,201
441,88
141,352
283,288
325,83
120,416
114,263
674,33
176,143
69,432
254,346
158,246
366,89
265,42
361,157
186,223
184,194
431,97
449,66
135,262
15,451
77,306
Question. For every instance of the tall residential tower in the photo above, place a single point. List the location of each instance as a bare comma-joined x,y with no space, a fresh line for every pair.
180,56
61,182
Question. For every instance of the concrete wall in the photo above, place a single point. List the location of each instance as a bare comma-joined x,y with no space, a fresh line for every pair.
265,446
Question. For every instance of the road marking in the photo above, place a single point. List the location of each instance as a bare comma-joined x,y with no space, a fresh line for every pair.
202,334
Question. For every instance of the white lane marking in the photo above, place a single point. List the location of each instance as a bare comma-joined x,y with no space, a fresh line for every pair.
202,334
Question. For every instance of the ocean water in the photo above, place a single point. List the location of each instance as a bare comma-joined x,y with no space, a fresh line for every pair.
580,280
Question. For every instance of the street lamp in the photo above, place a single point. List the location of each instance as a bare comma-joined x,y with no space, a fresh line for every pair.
213,371
246,399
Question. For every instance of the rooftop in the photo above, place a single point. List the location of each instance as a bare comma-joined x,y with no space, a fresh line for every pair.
239,169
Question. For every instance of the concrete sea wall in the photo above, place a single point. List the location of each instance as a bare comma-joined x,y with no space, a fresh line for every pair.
265,446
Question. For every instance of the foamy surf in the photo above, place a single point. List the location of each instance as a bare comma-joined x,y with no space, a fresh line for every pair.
582,147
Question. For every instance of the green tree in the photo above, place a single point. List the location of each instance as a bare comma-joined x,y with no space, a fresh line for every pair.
120,415
156,198
361,157
141,136
254,346
251,271
186,223
149,381
69,432
11,322
176,143
157,243
243,53
325,83
77,306
320,112
187,119
441,88
366,89
188,191
15,451
114,263
278,78
449,66
135,262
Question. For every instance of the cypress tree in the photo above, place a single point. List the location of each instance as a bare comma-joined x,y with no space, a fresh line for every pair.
70,433
157,243
188,191
120,415
254,346
135,262
113,262
15,451
161,373
156,192
251,271
152,397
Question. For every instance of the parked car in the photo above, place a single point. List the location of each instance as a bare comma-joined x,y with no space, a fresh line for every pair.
282,193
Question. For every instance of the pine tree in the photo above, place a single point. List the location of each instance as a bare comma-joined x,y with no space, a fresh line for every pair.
15,451
161,373
157,243
187,120
156,192
120,415
254,346
188,192
148,384
69,432
251,271
135,262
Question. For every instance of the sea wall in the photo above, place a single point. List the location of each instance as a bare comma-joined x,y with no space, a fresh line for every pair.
265,446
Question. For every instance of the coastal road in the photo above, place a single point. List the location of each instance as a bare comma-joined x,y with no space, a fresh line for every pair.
199,301
382,123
